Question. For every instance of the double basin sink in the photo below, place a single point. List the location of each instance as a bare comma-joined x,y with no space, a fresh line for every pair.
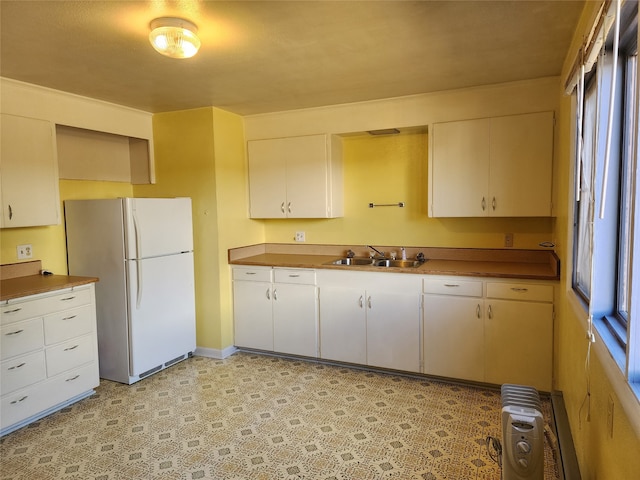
376,262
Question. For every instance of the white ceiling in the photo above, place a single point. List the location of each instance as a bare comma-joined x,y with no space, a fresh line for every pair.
266,56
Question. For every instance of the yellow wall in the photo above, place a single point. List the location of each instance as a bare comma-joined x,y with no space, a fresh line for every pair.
392,169
600,455
200,154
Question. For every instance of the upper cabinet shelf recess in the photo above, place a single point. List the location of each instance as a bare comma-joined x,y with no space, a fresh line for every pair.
296,177
492,167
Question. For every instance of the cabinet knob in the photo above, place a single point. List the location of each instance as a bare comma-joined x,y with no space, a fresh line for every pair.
369,302
478,311
361,301
282,207
289,207
268,293
275,294
489,312
484,204
493,204
10,212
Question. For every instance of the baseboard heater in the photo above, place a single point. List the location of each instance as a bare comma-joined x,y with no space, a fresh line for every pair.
522,433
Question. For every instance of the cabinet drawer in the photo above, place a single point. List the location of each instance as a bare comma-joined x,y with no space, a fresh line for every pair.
520,291
21,337
35,307
63,301
252,274
306,277
69,355
22,371
67,324
22,404
452,287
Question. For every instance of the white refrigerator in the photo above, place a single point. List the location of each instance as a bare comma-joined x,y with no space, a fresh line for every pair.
141,249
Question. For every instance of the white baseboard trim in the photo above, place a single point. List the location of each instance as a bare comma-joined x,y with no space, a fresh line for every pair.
215,352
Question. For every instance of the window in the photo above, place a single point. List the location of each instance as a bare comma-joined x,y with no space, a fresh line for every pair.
607,209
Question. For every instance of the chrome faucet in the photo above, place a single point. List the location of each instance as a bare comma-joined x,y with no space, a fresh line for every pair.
377,251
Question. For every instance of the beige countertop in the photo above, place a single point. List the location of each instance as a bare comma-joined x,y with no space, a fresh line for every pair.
507,263
23,279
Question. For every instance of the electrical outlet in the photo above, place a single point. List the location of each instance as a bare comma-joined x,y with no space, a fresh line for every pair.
610,405
300,237
24,251
508,239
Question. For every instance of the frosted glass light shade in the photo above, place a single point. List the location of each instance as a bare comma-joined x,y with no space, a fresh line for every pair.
174,37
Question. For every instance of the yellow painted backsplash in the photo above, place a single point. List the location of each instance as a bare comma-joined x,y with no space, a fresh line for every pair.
392,169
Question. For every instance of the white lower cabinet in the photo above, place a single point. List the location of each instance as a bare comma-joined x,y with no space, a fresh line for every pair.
519,337
377,324
253,318
276,310
489,331
454,337
49,355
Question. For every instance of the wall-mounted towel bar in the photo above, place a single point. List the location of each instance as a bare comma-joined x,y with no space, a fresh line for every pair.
399,204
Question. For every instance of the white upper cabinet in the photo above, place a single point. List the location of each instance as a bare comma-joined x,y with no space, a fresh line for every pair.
28,172
296,177
498,167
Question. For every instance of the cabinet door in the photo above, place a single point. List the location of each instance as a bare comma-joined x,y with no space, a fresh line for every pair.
295,319
519,343
28,172
267,178
343,328
393,330
460,169
521,165
252,315
453,337
307,176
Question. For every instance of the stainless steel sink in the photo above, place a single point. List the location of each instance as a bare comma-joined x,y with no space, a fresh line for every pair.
376,262
352,261
397,263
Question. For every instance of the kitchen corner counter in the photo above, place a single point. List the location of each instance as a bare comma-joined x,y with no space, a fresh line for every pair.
499,263
24,279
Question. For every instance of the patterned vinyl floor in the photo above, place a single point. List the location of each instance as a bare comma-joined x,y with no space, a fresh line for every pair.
260,417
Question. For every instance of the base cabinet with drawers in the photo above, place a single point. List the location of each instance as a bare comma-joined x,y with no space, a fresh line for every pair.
488,331
276,310
48,354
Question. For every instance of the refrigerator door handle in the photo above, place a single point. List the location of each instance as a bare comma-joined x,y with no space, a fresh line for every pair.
136,228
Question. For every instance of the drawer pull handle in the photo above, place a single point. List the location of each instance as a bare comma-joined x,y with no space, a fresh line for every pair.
66,299
451,285
71,348
17,366
294,275
20,400
69,318
15,333
72,378
249,273
521,290
15,310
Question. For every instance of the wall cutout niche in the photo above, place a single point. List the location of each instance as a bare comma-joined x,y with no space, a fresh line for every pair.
91,155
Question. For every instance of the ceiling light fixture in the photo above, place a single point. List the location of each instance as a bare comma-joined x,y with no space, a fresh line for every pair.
174,37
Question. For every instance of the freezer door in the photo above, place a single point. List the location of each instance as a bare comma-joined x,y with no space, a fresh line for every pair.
157,226
162,319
